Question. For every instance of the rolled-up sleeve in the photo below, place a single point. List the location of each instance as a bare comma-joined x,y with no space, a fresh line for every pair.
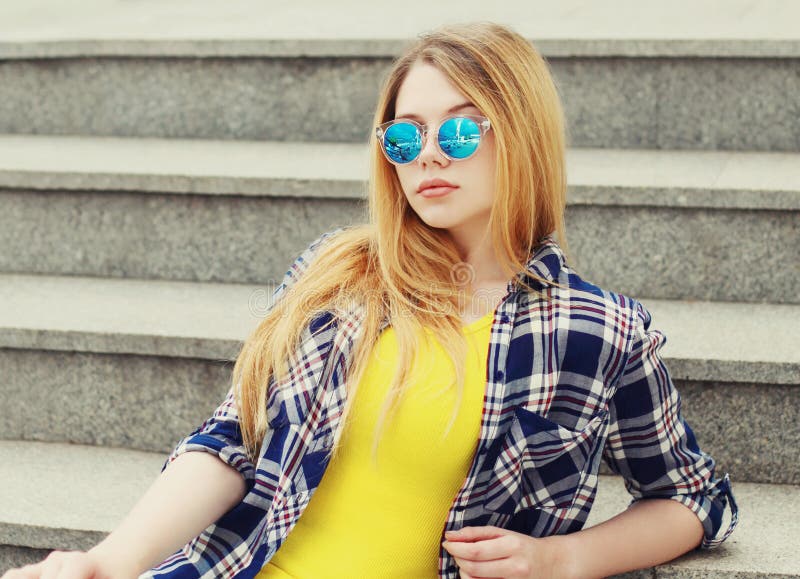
653,448
221,434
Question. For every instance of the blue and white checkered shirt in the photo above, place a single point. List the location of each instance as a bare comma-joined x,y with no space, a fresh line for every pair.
568,381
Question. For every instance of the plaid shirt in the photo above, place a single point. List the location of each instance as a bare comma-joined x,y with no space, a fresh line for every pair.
569,382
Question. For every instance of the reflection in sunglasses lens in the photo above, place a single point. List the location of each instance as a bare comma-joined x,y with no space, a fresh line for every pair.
402,142
459,137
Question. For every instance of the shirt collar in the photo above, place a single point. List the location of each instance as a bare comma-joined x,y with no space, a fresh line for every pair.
547,261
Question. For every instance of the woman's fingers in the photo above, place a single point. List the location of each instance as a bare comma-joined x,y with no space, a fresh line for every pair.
52,565
58,565
77,566
26,572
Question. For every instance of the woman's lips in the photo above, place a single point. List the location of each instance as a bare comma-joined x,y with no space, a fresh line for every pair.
436,191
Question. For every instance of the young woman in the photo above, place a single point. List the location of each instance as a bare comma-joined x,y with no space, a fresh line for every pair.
432,393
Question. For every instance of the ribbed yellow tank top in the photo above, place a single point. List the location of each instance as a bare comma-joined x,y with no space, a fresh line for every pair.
387,522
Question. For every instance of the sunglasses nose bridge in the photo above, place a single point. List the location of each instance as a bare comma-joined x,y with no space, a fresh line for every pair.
423,137
424,134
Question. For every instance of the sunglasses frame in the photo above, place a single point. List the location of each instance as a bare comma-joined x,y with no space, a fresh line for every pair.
380,131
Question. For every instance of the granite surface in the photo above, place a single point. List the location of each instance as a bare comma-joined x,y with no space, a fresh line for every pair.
613,102
619,177
654,251
12,557
706,341
150,403
701,254
135,402
240,239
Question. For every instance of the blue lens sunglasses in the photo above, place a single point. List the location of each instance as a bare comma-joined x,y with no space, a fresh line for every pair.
457,137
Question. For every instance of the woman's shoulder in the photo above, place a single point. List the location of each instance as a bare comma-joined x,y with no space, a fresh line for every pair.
574,293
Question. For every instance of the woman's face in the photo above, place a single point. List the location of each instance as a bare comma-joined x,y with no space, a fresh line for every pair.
427,96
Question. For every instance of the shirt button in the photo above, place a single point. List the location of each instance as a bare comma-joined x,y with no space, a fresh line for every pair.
498,375
504,318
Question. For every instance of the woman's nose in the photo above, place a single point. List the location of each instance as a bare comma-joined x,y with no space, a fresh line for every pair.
430,152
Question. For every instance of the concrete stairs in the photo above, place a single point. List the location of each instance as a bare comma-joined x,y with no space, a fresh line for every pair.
712,218
162,164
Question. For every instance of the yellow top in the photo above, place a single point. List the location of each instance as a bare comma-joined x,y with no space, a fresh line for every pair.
387,522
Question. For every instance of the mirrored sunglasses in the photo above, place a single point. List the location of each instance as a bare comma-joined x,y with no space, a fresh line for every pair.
457,137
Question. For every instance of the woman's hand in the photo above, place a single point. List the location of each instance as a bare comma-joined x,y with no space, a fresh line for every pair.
492,552
64,565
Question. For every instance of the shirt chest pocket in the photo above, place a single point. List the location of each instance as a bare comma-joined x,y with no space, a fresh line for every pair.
541,464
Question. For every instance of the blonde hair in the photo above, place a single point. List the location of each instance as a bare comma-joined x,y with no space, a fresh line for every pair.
396,264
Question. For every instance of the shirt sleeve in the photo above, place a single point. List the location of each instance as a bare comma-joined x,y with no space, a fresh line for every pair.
220,434
653,447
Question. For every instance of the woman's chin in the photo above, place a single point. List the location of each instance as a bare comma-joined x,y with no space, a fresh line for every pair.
440,217
445,219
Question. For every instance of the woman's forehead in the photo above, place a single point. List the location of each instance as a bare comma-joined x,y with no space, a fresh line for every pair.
427,92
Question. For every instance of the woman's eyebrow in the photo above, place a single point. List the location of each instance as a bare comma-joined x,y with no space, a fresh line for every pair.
447,112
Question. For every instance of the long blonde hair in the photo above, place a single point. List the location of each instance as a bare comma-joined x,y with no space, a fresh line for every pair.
398,268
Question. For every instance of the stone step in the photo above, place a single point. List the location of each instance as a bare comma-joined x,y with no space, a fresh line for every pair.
141,363
671,77
570,28
81,493
686,224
